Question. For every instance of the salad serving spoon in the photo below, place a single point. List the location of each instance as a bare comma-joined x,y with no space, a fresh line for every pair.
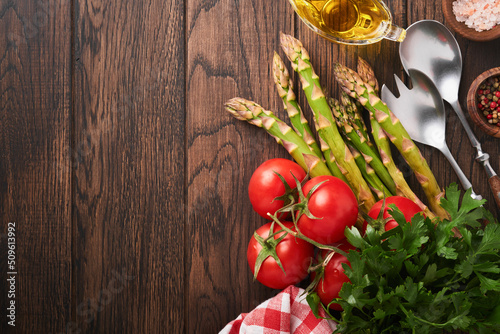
431,48
421,111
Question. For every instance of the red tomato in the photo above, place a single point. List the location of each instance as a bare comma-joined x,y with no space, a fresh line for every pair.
265,185
405,205
295,255
329,286
335,206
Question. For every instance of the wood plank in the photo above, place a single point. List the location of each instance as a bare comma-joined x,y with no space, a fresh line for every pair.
230,48
35,173
477,57
383,56
128,217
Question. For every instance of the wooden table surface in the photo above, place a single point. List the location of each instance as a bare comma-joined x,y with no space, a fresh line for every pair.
126,178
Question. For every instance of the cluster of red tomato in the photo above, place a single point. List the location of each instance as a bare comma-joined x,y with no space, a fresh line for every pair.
331,208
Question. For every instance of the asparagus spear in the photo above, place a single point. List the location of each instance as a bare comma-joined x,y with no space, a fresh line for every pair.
353,85
370,176
361,144
330,161
367,74
297,118
253,113
402,187
353,113
325,125
285,91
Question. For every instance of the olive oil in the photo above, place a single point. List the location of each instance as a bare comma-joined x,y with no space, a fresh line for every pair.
346,20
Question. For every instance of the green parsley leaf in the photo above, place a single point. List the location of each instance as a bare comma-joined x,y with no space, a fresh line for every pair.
422,277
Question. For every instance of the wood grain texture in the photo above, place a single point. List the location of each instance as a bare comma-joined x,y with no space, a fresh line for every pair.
35,190
384,56
129,105
481,58
477,58
126,177
230,49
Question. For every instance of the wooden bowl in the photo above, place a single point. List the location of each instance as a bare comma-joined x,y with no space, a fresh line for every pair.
474,112
465,31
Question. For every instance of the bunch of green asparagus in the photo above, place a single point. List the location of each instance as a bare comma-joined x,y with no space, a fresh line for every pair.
343,148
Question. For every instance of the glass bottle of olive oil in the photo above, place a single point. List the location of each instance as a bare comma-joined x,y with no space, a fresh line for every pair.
349,21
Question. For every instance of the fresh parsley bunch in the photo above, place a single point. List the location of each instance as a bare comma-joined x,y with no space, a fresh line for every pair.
423,277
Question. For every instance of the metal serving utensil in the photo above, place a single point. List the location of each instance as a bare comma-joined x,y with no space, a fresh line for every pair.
421,111
431,48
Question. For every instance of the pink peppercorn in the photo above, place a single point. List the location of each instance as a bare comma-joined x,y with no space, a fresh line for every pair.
488,100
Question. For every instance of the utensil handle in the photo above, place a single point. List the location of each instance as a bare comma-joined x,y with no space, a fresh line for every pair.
495,188
472,137
482,157
461,176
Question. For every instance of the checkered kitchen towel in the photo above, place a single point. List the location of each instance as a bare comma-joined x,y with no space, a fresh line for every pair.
287,312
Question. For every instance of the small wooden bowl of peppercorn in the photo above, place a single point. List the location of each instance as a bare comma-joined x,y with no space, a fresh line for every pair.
483,102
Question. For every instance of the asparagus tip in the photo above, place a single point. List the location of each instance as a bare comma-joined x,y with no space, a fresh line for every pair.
242,109
292,47
367,74
280,74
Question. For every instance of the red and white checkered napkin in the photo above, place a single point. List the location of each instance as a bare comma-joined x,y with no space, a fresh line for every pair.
287,312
